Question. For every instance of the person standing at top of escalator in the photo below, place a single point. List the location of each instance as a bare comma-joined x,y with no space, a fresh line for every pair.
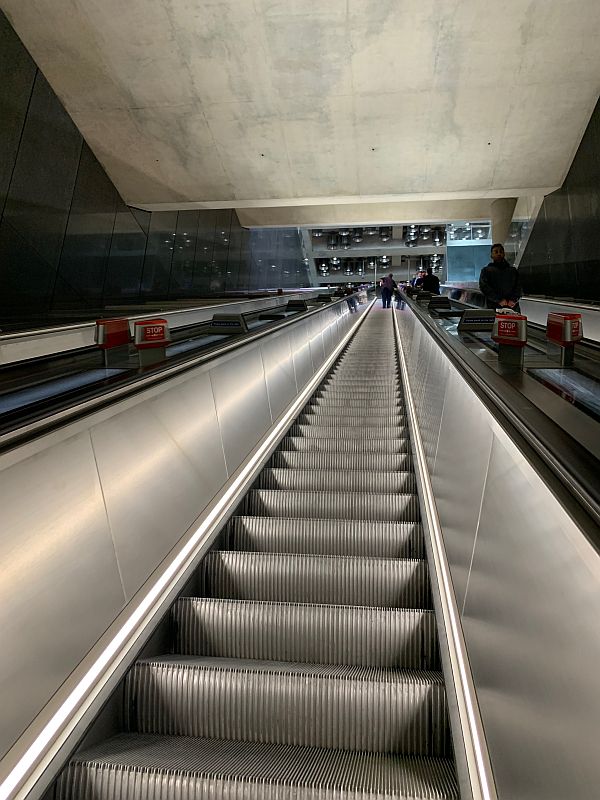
499,282
388,284
431,282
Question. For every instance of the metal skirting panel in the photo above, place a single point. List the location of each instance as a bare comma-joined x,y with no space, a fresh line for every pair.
90,510
527,580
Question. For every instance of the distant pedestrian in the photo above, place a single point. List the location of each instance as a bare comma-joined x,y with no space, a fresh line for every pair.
431,282
499,282
388,284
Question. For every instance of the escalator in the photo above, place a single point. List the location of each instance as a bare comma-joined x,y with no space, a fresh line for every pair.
307,663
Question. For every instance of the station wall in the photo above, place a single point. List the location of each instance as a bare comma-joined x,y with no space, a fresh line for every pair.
68,241
562,257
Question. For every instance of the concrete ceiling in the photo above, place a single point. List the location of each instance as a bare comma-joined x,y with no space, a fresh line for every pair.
264,103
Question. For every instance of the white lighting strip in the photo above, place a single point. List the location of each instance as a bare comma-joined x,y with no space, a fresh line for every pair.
477,757
30,766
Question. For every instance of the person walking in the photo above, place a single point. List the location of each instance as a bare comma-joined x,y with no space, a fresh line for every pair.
499,282
431,282
388,284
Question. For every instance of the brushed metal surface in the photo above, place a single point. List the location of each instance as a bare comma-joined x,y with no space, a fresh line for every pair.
303,366
308,633
279,372
59,583
465,440
242,403
531,620
317,352
205,769
334,706
150,488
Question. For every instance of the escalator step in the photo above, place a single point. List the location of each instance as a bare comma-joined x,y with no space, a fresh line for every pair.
337,481
307,705
332,505
130,767
306,632
326,537
380,462
361,408
299,578
365,420
337,445
339,428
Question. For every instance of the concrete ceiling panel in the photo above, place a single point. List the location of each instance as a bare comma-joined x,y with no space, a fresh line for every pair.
290,102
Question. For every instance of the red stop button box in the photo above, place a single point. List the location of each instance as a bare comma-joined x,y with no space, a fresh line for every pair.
510,329
564,329
112,333
151,333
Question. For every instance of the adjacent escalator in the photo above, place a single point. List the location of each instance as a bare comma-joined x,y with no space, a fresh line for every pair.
307,664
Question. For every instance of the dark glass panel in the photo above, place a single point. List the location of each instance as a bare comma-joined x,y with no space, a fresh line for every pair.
182,270
17,71
126,259
26,280
204,252
84,257
159,255
40,192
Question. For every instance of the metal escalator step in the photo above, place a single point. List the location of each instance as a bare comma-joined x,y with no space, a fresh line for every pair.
335,444
307,705
306,632
325,537
385,384
294,578
336,480
335,404
332,505
339,428
134,767
350,390
364,419
366,409
379,462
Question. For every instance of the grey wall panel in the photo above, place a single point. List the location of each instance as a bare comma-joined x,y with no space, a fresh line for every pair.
187,411
59,586
531,620
279,372
150,489
433,402
242,403
303,366
316,342
459,474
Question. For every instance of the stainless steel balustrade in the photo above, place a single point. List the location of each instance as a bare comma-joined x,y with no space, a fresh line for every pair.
91,510
526,581
305,665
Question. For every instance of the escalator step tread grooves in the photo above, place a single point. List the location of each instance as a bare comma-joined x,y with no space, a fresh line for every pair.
307,667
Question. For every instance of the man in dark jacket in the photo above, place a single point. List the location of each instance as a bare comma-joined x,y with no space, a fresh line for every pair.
499,282
431,282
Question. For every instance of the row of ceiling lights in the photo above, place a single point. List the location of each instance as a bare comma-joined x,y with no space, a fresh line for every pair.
469,230
415,235
359,266
344,238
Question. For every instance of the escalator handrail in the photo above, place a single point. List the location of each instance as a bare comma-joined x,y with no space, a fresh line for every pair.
159,375
546,442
